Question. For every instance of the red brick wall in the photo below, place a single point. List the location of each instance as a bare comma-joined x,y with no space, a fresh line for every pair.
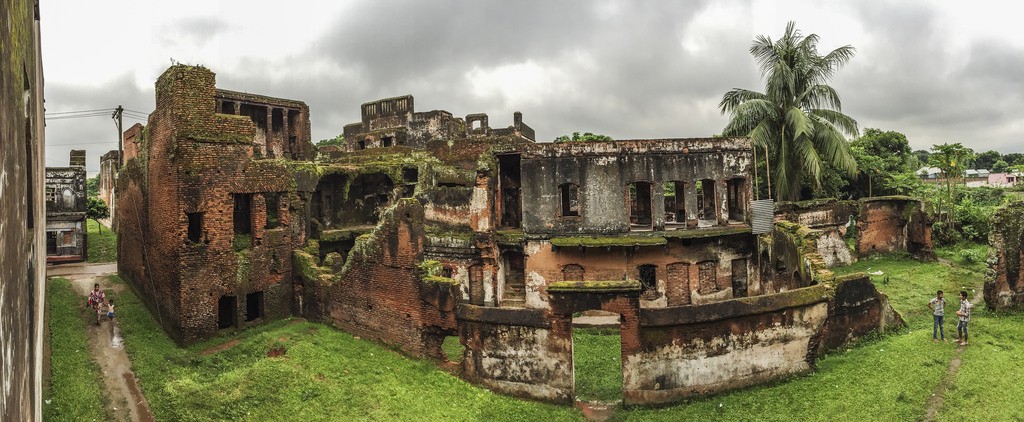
380,295
194,161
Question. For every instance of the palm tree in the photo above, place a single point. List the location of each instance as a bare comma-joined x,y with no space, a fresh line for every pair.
798,118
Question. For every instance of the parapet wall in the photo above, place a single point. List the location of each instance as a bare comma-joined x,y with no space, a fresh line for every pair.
1004,287
670,354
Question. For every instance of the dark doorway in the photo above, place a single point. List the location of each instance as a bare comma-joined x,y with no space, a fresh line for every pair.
570,199
253,306
640,208
675,211
739,278
243,213
476,285
515,279
226,310
195,226
509,182
735,199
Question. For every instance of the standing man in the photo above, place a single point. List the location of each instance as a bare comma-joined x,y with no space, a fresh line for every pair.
937,305
965,316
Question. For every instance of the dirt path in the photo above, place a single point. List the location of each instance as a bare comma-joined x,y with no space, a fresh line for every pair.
106,345
939,395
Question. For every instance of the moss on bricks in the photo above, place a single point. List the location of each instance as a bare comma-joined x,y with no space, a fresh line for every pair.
609,241
594,286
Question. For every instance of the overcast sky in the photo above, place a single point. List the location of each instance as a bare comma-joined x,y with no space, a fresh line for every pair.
936,71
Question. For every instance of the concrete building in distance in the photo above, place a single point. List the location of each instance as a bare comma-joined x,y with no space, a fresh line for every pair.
66,234
22,212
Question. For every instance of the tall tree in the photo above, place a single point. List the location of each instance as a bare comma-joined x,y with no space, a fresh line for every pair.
952,159
986,159
798,117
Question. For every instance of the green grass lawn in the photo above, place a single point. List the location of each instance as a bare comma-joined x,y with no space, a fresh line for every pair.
75,390
597,361
327,374
102,245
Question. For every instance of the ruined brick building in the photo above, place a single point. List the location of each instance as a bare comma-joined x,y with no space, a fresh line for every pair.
66,236
1004,286
22,212
424,225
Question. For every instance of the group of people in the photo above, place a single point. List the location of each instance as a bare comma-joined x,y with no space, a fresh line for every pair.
99,304
938,305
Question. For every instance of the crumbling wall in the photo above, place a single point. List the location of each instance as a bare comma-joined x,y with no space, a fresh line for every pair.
832,217
856,308
687,271
22,239
792,261
380,293
697,350
894,224
178,241
515,351
604,170
1004,284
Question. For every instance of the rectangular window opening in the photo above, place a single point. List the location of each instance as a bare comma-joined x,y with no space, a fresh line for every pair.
273,201
640,205
736,200
387,141
570,195
195,226
509,180
648,277
227,107
706,200
242,215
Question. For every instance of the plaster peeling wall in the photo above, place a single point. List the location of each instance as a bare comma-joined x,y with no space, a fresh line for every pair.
691,366
833,249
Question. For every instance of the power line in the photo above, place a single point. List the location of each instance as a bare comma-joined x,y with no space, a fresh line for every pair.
79,111
78,143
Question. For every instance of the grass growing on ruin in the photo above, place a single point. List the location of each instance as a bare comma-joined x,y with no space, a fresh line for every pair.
597,361
75,390
102,245
325,374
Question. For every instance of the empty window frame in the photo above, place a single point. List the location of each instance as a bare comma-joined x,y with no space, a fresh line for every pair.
387,141
227,107
675,209
706,200
648,277
242,214
570,199
273,201
735,198
195,226
640,206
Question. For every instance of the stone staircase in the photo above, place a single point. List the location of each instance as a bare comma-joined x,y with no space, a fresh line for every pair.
514,297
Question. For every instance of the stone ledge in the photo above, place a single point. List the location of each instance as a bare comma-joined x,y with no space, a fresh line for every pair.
733,308
594,286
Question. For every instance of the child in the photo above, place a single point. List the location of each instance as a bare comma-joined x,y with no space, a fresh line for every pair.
110,309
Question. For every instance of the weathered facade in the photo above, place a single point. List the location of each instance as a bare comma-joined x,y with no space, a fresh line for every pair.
424,226
1004,287
22,212
894,224
109,166
66,236
205,205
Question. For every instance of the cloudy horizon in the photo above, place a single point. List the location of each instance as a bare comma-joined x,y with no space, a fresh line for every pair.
942,72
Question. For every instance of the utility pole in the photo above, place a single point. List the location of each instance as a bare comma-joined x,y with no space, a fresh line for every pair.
120,134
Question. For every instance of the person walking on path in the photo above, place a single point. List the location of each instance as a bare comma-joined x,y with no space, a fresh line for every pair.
937,305
96,299
965,316
110,309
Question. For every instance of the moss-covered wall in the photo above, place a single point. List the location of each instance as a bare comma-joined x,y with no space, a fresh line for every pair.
1004,287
